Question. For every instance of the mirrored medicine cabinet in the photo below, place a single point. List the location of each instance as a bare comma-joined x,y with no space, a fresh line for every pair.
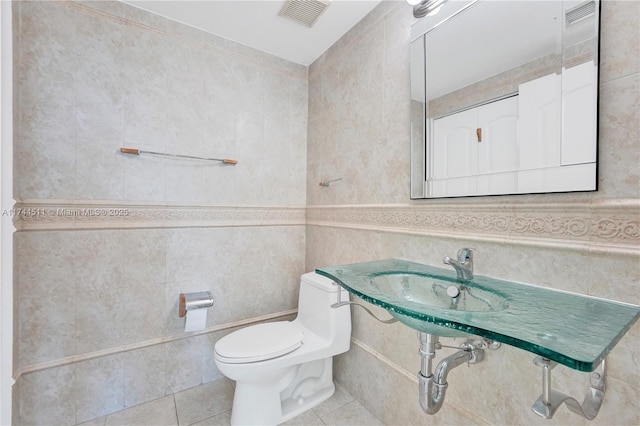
504,98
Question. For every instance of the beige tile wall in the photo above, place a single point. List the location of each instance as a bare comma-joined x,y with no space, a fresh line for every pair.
96,76
357,90
97,328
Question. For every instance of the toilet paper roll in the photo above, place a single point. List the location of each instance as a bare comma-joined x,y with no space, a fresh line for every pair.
196,319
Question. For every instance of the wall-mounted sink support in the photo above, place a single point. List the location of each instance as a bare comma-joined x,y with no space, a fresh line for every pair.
546,322
550,400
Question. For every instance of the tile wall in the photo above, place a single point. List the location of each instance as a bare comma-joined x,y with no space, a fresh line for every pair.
586,242
109,241
95,303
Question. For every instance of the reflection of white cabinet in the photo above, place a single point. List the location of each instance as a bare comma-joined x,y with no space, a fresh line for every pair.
547,102
543,139
539,104
558,150
475,151
498,150
579,91
455,153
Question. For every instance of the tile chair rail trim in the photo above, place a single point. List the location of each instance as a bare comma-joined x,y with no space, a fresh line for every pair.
604,226
45,215
147,343
609,226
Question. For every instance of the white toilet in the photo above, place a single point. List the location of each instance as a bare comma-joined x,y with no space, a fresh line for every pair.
284,368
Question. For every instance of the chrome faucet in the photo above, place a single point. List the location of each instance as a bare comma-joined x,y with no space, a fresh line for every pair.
463,265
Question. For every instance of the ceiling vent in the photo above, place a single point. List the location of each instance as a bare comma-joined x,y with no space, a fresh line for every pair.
579,12
304,12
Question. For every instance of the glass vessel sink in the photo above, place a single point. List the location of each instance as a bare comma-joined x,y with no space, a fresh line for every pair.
416,290
574,330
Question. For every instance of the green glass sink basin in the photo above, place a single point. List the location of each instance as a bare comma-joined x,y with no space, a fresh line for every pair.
417,290
572,329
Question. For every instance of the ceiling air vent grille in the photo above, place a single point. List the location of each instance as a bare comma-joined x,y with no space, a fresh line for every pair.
579,13
304,12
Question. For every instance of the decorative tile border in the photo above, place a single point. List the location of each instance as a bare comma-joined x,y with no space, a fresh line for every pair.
102,215
604,226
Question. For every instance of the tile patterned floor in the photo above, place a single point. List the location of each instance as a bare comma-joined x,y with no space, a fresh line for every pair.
196,407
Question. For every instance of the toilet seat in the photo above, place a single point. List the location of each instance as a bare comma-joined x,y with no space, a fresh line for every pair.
259,342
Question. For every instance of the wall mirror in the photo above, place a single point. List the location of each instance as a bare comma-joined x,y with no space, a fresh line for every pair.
504,98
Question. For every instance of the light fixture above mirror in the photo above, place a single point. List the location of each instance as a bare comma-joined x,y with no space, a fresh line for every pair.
422,8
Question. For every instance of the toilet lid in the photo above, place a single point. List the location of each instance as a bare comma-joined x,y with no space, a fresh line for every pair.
259,342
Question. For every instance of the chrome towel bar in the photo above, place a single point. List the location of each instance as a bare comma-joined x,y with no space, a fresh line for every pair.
136,151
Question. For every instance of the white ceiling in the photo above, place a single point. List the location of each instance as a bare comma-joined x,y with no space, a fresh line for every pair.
257,24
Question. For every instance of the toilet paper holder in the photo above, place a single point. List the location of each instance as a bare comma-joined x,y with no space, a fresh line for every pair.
198,300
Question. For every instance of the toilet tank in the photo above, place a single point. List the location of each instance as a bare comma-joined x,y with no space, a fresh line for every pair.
317,294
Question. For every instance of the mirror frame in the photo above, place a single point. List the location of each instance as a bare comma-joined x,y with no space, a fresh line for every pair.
421,125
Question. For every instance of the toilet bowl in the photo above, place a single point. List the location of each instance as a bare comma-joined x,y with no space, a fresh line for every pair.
285,368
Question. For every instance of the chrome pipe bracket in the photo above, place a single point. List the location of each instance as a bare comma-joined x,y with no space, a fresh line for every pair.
549,402
483,343
340,303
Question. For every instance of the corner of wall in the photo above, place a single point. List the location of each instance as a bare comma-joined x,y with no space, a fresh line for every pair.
7,229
